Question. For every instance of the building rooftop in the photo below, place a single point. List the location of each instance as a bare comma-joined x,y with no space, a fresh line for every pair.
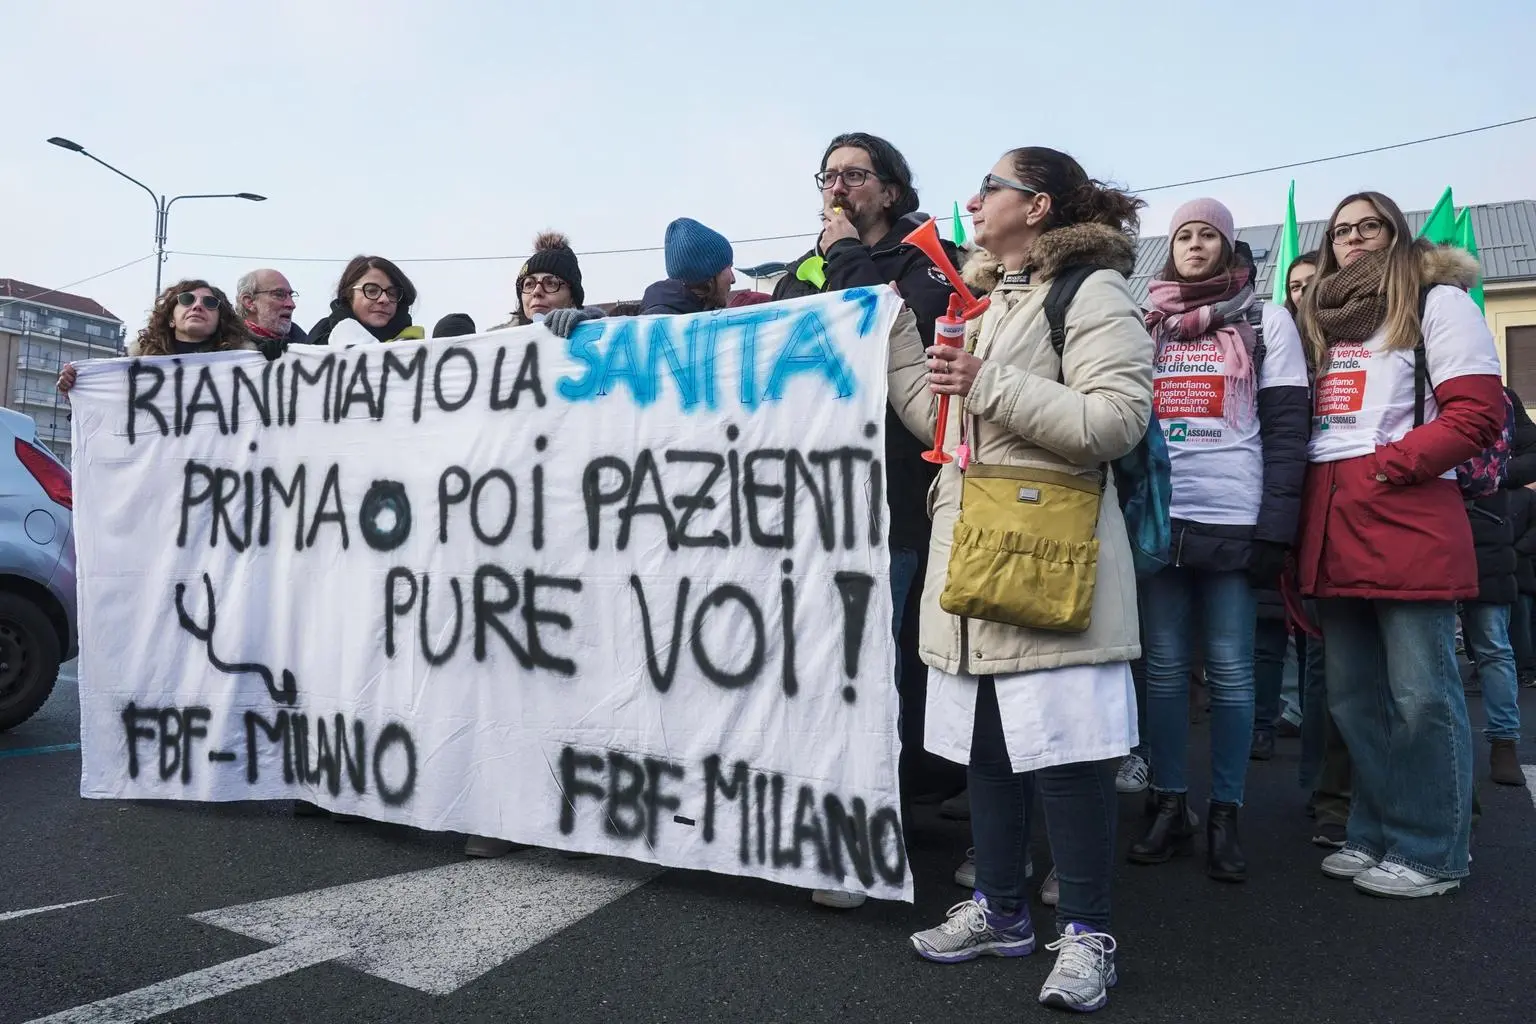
1506,243
13,289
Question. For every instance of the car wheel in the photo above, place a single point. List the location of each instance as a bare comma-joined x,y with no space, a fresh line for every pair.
29,659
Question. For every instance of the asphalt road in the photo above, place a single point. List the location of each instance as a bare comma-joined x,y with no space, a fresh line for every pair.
534,937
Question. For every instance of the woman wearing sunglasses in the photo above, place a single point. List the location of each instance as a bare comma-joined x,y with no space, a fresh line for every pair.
188,317
378,295
1408,388
1029,708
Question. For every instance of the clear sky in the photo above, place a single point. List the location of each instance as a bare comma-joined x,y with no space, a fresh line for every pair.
462,127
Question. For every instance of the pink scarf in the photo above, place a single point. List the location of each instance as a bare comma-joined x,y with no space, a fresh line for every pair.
1187,311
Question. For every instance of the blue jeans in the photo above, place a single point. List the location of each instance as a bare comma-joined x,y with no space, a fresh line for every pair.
1520,635
1486,630
1270,639
1396,697
1080,808
904,565
1314,703
1229,612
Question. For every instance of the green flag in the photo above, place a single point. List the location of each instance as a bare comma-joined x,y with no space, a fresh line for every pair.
957,227
1466,238
1290,248
1440,228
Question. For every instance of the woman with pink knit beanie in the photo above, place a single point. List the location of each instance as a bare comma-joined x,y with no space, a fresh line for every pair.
1230,391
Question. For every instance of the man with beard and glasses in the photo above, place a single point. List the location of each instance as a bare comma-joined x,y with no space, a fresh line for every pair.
266,301
868,207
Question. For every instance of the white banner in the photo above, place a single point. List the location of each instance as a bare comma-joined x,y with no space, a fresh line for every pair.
626,593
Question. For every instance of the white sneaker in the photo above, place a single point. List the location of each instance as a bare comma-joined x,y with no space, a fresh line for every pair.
1084,971
838,899
1347,863
965,874
1134,774
1050,891
1402,882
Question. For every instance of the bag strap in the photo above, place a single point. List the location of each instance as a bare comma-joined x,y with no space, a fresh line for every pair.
1420,363
1064,287
1254,314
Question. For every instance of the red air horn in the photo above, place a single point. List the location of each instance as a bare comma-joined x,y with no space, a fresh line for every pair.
949,329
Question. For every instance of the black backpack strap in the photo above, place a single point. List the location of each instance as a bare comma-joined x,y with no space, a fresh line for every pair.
1254,314
1063,290
1420,364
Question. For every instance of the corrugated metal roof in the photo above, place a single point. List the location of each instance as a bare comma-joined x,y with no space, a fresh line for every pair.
1506,243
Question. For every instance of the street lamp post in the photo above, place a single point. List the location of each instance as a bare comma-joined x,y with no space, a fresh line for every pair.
162,205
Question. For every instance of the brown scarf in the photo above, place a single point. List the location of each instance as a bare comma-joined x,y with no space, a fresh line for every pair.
1352,302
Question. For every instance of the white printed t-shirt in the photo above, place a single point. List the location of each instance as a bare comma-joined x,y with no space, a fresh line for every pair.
1218,468
1365,394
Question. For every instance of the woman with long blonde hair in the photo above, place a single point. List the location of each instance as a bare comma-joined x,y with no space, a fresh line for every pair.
1408,388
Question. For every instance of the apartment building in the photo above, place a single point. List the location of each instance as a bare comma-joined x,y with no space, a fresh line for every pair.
40,331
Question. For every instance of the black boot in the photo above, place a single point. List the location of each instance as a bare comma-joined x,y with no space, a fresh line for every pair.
1169,833
1224,854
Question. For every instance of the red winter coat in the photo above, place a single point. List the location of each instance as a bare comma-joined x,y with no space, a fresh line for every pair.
1385,525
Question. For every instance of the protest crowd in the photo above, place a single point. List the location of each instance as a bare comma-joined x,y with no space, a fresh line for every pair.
1349,479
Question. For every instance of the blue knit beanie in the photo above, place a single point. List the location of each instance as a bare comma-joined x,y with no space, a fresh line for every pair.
695,253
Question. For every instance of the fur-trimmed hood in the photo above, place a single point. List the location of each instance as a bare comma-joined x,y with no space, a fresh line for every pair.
1446,264
1077,244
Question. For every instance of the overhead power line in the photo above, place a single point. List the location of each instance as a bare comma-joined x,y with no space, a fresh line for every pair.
813,234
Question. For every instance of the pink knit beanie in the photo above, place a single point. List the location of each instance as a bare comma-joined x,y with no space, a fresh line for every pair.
1207,211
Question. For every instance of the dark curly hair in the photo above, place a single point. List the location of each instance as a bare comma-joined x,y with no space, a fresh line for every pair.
155,337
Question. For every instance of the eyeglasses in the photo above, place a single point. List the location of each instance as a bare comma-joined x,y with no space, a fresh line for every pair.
548,284
1369,228
853,177
992,182
280,294
188,298
372,291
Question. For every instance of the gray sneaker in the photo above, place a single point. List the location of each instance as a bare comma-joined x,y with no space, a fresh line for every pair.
965,874
973,931
1084,971
1050,890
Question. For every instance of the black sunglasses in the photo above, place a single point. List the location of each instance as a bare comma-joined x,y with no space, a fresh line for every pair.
187,298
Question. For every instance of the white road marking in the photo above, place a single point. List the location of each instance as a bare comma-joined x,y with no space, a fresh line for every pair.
208,983
438,930
10,915
434,930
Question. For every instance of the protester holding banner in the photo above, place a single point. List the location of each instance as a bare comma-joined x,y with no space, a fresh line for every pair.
1385,544
699,274
266,300
1049,705
1232,398
189,316
868,207
549,287
376,294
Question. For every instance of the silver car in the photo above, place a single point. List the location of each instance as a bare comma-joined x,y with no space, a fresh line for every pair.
37,569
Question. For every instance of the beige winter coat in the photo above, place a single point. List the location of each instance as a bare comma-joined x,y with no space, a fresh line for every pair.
1027,418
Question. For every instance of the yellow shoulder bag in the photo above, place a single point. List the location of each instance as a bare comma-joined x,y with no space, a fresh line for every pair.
1024,550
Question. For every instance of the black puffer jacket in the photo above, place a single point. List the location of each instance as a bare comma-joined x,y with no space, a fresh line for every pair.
1522,448
1522,519
851,264
1493,537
